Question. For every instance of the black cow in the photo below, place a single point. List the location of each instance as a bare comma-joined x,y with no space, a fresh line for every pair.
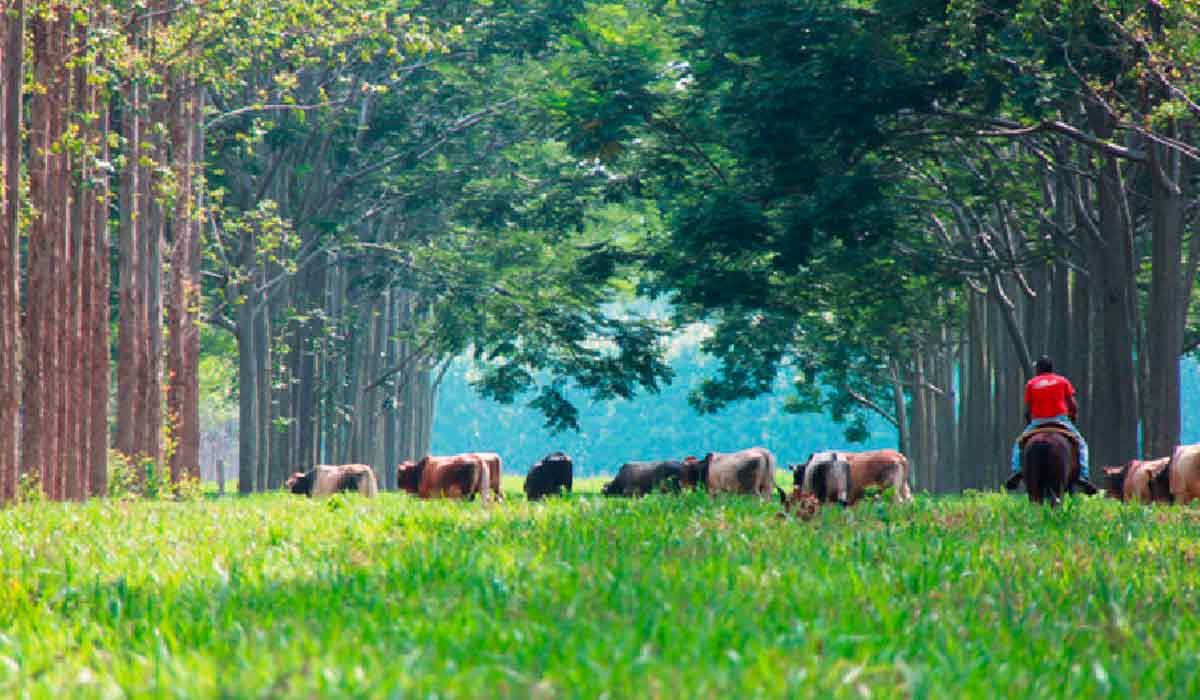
549,477
640,478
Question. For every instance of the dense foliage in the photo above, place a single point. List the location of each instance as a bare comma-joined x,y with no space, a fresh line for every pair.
659,597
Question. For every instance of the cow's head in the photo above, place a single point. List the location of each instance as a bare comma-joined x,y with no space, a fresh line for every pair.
1114,480
408,476
301,482
797,471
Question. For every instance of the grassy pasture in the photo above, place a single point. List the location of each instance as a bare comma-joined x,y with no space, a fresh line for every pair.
685,596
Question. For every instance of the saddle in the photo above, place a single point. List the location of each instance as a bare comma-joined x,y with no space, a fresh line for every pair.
1055,428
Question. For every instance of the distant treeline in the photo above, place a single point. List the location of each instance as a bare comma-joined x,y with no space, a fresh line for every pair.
647,427
664,425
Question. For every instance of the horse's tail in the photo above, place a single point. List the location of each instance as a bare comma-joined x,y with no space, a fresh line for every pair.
768,479
903,491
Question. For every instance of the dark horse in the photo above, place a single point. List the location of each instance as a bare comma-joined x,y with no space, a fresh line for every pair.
1049,465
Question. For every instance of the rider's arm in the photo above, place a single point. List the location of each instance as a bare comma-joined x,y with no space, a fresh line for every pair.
1072,407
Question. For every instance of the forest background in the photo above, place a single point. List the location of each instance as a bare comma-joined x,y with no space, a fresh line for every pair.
333,211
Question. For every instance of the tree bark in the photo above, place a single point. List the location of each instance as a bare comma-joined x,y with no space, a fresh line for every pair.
99,367
247,328
130,410
13,72
183,356
39,281
1116,409
1167,316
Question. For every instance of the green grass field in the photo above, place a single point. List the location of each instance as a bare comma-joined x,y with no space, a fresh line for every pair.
666,596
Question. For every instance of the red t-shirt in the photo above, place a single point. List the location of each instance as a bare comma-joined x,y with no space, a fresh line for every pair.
1046,395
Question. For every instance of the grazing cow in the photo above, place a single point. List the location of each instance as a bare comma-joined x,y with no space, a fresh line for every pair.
492,461
549,477
1144,481
824,475
748,471
326,479
640,478
460,476
1184,476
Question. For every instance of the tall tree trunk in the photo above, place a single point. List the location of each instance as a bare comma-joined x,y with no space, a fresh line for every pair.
311,295
183,356
901,404
1167,317
918,422
247,328
76,394
39,283
262,352
99,368
947,476
1116,410
391,456
13,71
130,410
975,394
54,393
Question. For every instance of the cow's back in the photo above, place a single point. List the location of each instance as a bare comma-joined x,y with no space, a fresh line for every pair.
747,471
549,477
1138,479
333,478
641,478
460,476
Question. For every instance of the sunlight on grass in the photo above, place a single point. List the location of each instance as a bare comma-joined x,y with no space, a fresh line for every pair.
666,596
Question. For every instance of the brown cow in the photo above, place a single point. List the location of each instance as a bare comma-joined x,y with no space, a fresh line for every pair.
326,479
883,468
748,471
492,460
1184,475
459,476
1144,481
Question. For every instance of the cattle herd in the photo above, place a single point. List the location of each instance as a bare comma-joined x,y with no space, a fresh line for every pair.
839,477
826,477
1174,479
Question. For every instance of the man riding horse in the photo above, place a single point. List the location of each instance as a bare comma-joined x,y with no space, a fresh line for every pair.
1050,398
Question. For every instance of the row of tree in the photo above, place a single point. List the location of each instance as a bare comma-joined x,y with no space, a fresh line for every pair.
357,191
905,203
898,204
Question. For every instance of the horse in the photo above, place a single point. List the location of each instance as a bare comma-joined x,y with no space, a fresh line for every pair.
1049,464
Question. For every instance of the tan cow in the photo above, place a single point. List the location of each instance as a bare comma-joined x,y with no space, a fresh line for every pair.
825,474
459,476
326,479
748,471
1185,474
1144,481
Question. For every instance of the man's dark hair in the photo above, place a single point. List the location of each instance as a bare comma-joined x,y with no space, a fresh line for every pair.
1045,364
